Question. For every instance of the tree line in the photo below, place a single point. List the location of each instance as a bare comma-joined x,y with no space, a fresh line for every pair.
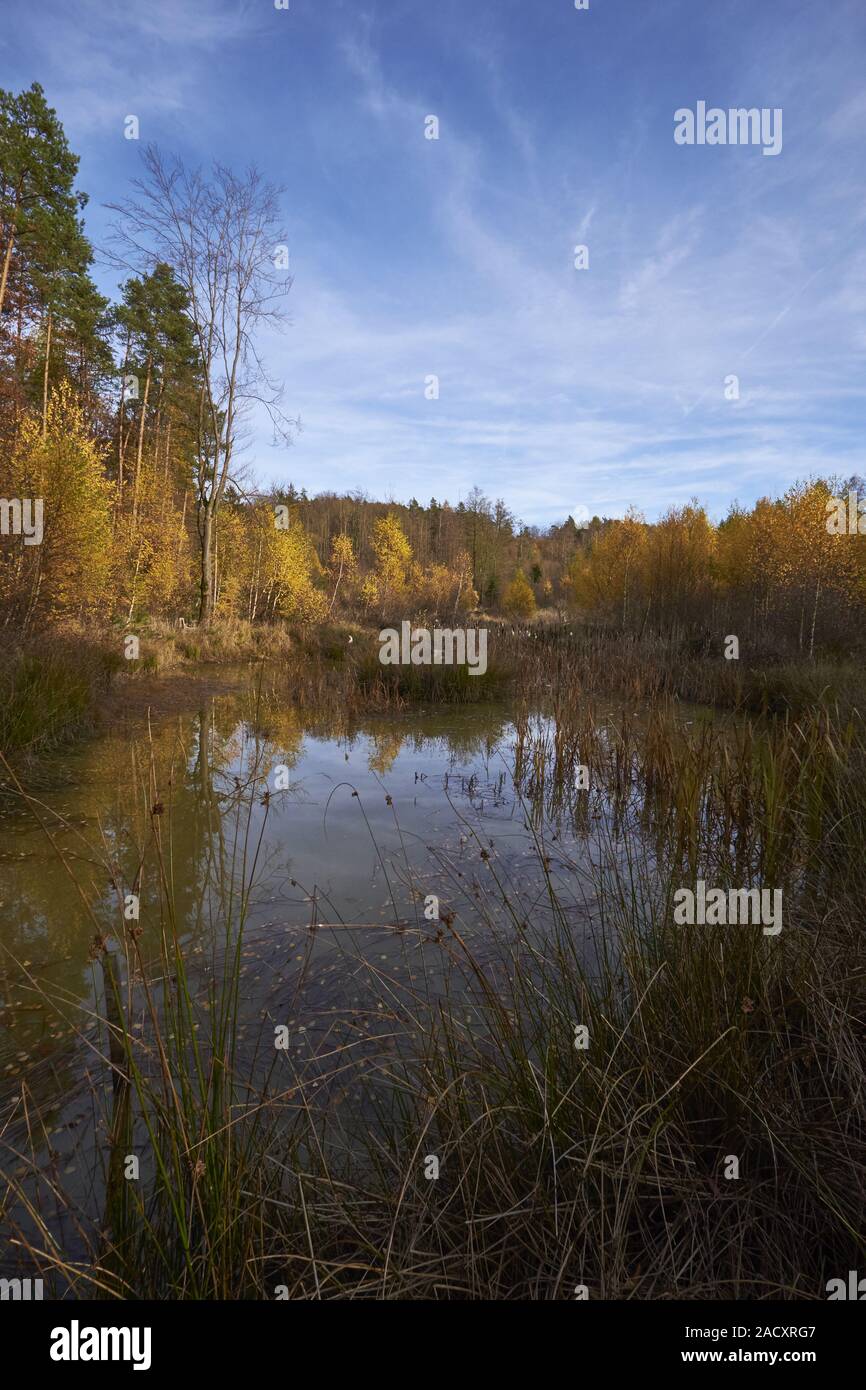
129,420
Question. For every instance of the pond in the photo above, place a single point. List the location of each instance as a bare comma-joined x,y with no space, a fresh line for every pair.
339,846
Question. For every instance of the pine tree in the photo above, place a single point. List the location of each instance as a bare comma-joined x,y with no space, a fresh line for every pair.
39,208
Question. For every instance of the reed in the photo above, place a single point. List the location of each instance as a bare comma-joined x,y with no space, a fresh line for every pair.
559,1167
49,690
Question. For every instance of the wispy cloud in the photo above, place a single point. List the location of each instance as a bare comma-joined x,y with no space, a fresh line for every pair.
455,257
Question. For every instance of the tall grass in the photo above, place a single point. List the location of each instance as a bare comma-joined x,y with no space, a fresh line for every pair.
48,690
559,1167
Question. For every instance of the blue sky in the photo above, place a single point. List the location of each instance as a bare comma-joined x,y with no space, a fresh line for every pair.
559,388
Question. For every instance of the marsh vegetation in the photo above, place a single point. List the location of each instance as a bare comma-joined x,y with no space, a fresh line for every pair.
302,1171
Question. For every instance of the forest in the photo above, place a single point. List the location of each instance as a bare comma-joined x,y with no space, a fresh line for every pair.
129,422
325,975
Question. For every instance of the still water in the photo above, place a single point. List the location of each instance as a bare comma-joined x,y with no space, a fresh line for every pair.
332,841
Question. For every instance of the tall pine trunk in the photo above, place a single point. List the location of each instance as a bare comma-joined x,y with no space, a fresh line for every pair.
140,450
4,274
45,378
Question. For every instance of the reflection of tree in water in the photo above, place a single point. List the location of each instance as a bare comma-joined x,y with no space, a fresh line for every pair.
188,765
384,751
169,786
178,792
461,746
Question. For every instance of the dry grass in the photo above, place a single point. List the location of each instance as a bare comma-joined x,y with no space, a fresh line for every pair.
559,1167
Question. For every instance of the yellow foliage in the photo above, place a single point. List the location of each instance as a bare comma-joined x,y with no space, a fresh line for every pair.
519,600
68,573
388,586
295,570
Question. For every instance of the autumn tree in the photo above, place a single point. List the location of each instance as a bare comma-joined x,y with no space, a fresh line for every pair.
343,564
611,574
386,587
680,567
66,575
518,599
818,565
296,575
220,235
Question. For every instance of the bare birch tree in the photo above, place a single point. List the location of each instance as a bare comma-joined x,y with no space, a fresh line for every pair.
221,236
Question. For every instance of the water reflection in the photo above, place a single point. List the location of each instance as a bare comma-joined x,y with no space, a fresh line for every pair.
173,809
